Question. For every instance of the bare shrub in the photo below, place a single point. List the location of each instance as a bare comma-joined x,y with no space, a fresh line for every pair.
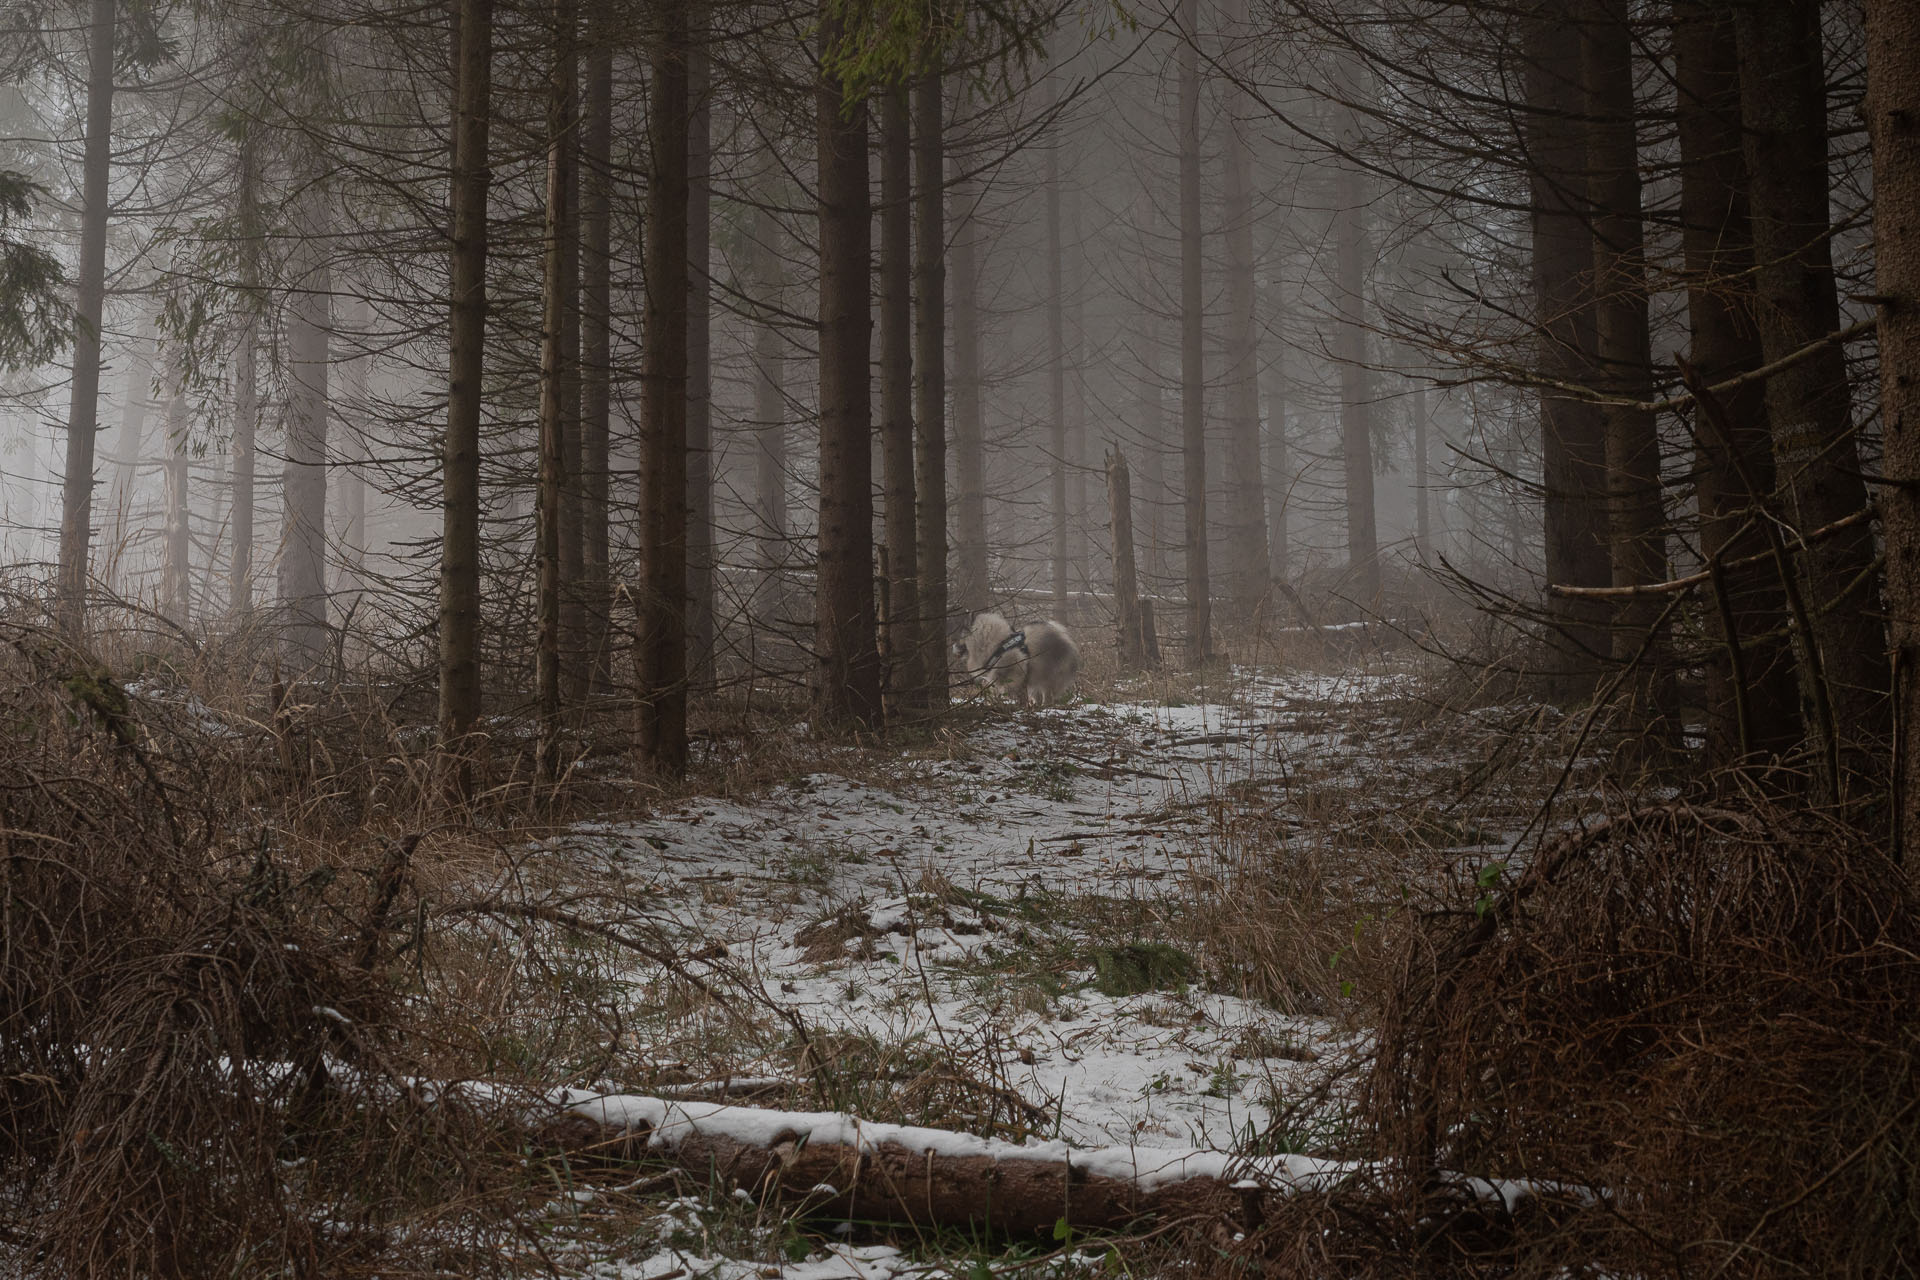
205,1065
1687,1031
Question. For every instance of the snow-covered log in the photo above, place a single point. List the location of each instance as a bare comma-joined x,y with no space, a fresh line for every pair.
839,1165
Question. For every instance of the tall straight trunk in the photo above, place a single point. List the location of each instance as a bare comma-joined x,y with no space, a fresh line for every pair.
302,585
1248,568
1623,346
1193,389
128,449
847,683
700,544
1155,493
83,410
550,496
660,654
1352,253
930,383
573,617
1073,268
352,489
1893,123
596,349
770,424
466,351
903,644
1056,380
1842,659
1752,707
970,584
246,429
1422,481
1573,437
176,574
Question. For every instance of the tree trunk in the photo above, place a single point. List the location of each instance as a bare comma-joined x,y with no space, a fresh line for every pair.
905,681
1246,541
550,498
1752,708
1893,122
176,575
302,585
1422,518
596,349
1279,466
700,543
847,684
573,618
971,590
770,426
660,655
1623,347
1193,390
1352,254
1842,663
246,428
930,384
1573,438
128,450
352,490
1126,582
83,411
460,451
1056,381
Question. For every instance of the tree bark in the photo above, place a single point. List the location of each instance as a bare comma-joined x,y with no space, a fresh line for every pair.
1279,466
930,383
352,489
1842,662
770,425
129,448
302,586
1193,390
1893,123
1352,254
1573,437
550,497
246,429
660,656
1753,711
700,538
83,410
460,449
596,348
1126,582
1624,351
176,574
971,589
1056,381
1248,571
905,681
847,682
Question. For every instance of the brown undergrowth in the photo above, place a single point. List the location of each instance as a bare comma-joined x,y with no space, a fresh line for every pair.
1688,1033
210,1052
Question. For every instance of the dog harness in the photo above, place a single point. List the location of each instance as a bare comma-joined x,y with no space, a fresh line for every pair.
1018,640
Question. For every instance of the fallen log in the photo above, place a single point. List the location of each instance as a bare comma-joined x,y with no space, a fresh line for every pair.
837,1165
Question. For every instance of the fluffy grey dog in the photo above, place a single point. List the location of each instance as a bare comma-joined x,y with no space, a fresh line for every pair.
1036,664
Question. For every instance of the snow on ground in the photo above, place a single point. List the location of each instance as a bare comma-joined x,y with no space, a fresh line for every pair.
1024,817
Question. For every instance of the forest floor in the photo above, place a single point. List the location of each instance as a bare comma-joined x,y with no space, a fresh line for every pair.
1145,918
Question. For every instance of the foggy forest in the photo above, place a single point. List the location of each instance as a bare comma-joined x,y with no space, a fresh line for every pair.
735,640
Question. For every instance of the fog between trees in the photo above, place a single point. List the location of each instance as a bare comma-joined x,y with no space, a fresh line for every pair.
600,355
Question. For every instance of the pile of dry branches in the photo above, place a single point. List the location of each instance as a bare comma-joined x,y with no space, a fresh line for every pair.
204,1065
1688,1032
